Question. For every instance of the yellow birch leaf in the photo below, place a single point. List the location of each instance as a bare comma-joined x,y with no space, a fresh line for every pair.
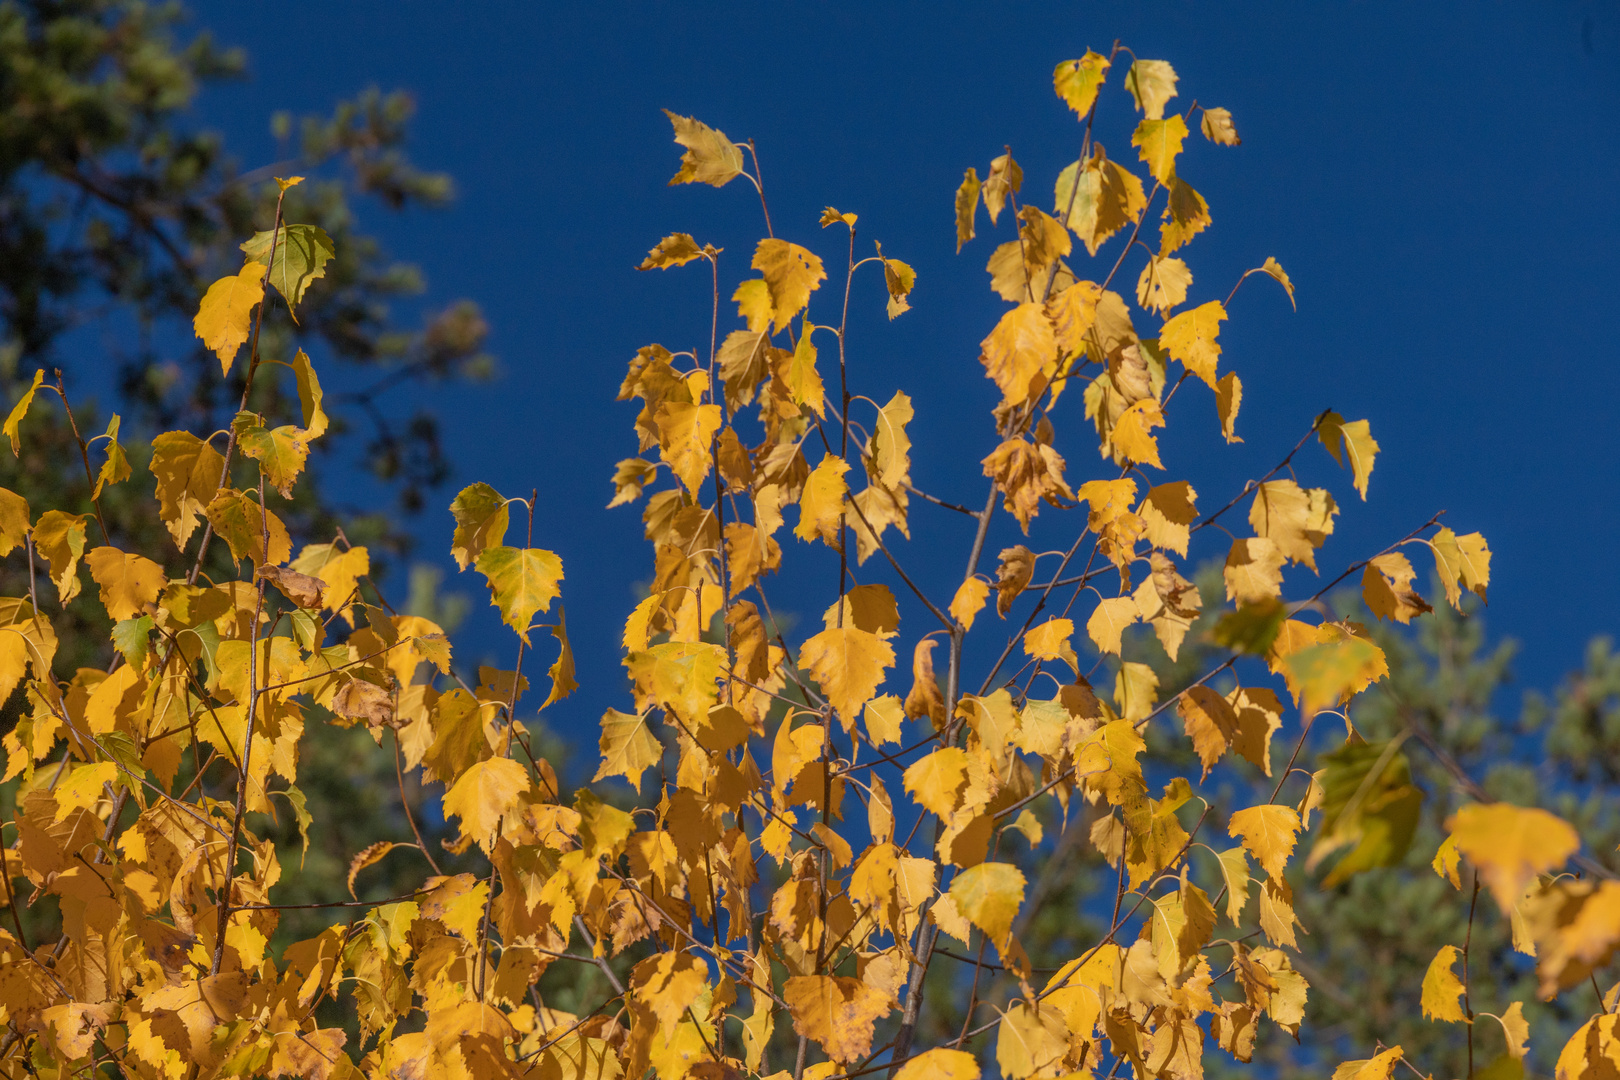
1152,84
753,299
1374,1068
1021,344
1030,1041
522,582
1050,641
1235,873
891,446
1268,831
1109,621
483,795
684,433
1073,312
1163,284
129,583
1077,81
59,537
1132,436
821,504
1190,338
969,600
940,1063
14,521
81,789
967,205
1509,845
848,664
1168,510
1186,214
1228,398
1446,862
1136,690
710,157
836,1012
1516,1030
1159,142
1350,444
1218,129
481,518
225,317
803,383
791,274
15,418
1272,268
1442,990
989,895
628,747
115,470
563,682
1005,177
676,249
936,779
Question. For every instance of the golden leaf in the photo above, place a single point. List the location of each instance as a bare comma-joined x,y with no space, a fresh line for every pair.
1163,283
1022,343
848,664
522,583
1217,127
225,318
129,583
967,205
1004,177
14,419
1109,621
1509,845
821,505
989,895
969,599
1228,398
1349,443
684,433
1152,83
1132,438
1268,831
676,249
1050,641
940,1063
791,274
1190,338
1077,81
1442,990
629,749
483,794
710,157
1159,142
837,1012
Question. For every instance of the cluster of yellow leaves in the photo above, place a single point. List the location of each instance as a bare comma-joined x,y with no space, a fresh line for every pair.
773,857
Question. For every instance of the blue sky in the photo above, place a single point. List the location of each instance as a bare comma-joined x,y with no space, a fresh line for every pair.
1439,180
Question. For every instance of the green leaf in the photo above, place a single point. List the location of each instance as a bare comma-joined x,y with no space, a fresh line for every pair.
132,637
1369,805
301,255
1253,627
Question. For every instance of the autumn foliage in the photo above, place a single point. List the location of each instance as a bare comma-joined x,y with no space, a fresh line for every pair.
819,825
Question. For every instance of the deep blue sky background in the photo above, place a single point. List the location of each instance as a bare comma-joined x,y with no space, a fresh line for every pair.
1440,179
